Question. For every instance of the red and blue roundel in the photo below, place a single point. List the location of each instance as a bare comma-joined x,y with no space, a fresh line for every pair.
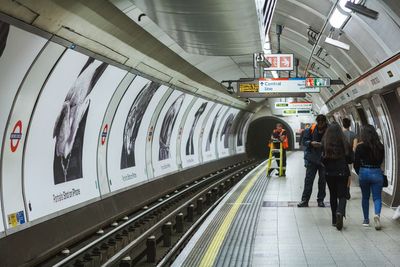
104,134
15,136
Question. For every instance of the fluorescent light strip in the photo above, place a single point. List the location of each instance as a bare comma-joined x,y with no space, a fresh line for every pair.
337,43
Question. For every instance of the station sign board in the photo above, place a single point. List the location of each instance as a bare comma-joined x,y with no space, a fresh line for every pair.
296,112
318,82
289,105
285,85
250,89
280,61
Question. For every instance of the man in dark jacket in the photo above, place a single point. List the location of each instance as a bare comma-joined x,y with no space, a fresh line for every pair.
312,155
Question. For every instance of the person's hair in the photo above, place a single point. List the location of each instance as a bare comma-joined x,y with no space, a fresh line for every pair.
334,143
279,124
346,123
321,118
370,138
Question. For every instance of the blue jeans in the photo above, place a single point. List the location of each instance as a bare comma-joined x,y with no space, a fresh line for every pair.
371,179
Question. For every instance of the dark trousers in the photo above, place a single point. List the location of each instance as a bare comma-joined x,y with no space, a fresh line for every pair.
309,181
337,189
276,155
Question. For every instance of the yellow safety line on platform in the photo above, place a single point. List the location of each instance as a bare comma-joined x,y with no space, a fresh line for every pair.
212,250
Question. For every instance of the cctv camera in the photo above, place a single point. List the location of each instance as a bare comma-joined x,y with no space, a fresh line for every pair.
230,89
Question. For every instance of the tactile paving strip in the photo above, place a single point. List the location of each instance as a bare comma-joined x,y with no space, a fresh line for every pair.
237,245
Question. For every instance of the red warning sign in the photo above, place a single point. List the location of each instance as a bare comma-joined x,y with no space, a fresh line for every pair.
104,134
15,136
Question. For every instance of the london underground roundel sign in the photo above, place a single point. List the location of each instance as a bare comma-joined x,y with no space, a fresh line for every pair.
15,136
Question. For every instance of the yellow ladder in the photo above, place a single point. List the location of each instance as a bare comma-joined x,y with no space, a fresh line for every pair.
271,157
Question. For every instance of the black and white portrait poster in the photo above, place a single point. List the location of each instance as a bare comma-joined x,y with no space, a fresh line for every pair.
224,133
61,146
164,145
210,132
126,162
191,132
242,132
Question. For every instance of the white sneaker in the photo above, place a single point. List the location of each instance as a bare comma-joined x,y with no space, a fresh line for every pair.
377,222
396,214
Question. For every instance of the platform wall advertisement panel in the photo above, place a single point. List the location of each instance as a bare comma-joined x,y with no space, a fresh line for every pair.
59,144
210,133
240,136
18,50
191,132
224,133
126,147
166,132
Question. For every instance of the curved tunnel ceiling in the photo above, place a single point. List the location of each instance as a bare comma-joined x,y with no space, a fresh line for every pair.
208,27
371,41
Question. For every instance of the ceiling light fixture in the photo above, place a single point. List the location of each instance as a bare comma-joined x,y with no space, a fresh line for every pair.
337,18
321,61
362,9
337,43
312,36
342,4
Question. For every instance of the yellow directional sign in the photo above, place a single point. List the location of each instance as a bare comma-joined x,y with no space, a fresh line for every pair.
248,87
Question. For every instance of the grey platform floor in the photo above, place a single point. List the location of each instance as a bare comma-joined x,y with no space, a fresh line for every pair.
291,236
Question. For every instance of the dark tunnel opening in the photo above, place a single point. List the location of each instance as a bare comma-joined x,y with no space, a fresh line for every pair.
259,133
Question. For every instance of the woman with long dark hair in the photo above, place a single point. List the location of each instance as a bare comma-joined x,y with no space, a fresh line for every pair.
368,159
336,155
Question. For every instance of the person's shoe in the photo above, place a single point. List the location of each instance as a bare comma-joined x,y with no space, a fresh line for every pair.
377,222
302,204
348,196
339,221
321,204
334,221
365,223
396,214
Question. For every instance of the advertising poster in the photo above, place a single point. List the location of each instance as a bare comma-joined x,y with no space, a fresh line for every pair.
241,132
191,132
166,133
126,163
54,173
18,50
224,133
211,133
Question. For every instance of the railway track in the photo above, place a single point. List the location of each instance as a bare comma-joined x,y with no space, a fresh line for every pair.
157,232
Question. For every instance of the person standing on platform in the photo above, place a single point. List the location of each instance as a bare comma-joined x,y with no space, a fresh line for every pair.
336,155
351,138
368,158
279,135
302,135
312,154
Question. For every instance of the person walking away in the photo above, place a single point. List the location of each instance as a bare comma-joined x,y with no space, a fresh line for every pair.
351,138
336,155
312,154
368,158
280,134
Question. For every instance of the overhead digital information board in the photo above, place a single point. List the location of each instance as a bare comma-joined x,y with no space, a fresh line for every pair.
285,85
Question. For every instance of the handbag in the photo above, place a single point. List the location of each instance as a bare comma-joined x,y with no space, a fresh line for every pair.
385,181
